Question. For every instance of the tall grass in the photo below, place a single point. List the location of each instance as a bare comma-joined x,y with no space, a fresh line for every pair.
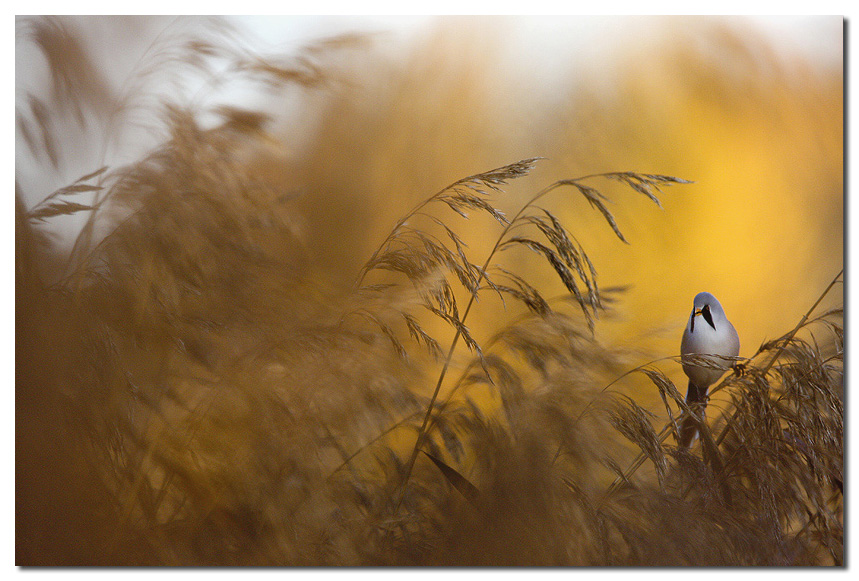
194,390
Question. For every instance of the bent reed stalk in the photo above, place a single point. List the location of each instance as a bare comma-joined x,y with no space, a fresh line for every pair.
564,258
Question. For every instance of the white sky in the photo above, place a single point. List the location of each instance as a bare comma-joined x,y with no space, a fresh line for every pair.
792,32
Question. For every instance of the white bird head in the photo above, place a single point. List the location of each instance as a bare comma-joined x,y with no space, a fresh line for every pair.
709,309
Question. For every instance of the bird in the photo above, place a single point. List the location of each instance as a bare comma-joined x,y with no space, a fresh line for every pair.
708,333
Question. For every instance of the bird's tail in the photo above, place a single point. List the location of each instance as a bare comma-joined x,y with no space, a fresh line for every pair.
696,398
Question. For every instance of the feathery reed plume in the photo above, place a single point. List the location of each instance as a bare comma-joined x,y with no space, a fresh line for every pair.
412,253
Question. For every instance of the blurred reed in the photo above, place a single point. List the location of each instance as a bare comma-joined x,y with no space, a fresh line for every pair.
251,354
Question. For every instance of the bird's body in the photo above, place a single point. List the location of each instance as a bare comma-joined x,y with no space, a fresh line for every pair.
709,343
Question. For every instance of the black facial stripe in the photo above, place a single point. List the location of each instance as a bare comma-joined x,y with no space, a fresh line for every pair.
692,323
707,316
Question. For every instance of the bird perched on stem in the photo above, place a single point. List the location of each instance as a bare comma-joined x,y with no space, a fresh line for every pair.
709,345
